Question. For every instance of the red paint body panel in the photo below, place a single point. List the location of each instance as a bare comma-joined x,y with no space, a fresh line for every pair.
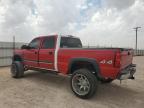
46,60
126,58
106,58
107,70
31,57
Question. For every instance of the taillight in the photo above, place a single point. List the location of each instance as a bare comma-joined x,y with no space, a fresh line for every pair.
118,59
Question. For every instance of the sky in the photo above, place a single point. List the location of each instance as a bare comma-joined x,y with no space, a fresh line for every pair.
96,22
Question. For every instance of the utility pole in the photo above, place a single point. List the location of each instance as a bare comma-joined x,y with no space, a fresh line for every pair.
136,29
13,44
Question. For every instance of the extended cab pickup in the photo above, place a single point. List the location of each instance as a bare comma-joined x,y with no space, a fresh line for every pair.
65,54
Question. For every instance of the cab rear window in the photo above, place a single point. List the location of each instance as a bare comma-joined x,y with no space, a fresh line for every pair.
70,42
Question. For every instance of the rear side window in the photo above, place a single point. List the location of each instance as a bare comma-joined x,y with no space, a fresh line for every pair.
70,42
48,43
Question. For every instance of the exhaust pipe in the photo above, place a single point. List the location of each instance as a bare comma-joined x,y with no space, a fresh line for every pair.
131,77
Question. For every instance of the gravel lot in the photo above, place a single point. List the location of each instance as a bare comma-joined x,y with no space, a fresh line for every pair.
45,90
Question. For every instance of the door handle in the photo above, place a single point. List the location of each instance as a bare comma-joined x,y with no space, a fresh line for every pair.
35,52
50,53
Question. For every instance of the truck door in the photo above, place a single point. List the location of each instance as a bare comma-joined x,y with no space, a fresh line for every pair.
31,54
46,53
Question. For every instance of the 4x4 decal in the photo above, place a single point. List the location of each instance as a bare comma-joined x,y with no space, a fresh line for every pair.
106,61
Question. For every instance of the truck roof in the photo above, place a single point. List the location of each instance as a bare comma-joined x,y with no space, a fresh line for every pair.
58,35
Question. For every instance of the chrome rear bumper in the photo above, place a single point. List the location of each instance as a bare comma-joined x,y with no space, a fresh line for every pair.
127,73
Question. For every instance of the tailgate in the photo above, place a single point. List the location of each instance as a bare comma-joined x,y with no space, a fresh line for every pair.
126,57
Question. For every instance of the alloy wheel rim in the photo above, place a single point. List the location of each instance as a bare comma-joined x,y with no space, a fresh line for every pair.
80,84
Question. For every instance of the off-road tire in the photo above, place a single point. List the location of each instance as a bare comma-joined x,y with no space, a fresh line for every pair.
91,78
17,69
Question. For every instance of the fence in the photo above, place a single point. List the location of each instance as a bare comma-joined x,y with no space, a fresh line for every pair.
6,52
139,53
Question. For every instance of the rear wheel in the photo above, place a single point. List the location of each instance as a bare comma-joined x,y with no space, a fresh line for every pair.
17,69
83,83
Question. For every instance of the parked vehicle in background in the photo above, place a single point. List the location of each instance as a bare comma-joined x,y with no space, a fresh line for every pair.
65,54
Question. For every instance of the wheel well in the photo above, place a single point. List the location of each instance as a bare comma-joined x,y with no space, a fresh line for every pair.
81,64
17,58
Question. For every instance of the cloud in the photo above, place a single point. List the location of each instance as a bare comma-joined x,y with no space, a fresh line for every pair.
55,16
97,22
114,27
26,18
14,19
119,4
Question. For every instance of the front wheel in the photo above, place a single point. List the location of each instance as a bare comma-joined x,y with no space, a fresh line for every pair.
17,69
83,83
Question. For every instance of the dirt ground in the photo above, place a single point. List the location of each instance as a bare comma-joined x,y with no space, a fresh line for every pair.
45,90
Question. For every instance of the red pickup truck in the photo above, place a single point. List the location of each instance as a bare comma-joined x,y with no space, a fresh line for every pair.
65,54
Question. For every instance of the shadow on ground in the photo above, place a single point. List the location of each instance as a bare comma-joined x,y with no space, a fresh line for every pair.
106,93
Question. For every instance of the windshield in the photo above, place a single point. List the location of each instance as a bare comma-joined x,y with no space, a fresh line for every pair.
70,42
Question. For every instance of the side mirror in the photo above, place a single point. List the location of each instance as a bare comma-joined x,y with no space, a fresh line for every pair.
25,47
